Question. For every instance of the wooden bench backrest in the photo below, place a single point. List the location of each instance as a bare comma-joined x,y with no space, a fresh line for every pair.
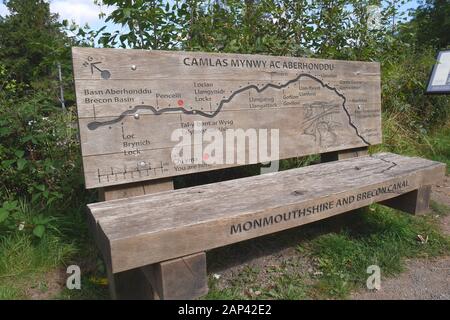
133,103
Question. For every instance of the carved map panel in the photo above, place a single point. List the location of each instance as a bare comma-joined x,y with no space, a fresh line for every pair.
132,105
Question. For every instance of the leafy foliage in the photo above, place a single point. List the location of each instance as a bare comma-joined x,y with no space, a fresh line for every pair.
39,154
343,29
151,24
430,25
404,79
32,43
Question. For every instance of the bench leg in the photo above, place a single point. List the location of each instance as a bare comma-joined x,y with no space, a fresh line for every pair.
344,154
134,189
179,279
416,202
129,285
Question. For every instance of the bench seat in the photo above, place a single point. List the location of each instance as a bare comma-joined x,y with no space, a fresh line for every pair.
139,231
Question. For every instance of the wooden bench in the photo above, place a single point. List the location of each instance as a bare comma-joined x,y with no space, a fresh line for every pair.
154,238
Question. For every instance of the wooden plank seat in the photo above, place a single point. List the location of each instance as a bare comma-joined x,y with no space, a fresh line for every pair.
147,229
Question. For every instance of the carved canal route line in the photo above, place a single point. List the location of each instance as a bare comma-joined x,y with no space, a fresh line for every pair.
96,124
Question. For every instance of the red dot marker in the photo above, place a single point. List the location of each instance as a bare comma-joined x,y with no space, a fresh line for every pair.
205,156
180,103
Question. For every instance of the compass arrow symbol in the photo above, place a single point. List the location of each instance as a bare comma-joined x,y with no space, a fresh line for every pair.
93,65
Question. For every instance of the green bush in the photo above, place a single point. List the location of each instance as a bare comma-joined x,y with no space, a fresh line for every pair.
39,155
40,159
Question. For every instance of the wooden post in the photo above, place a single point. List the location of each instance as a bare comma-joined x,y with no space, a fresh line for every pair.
416,202
179,279
135,189
344,154
131,284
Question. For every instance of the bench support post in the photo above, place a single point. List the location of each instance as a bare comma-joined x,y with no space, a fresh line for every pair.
179,279
129,285
134,189
344,154
416,202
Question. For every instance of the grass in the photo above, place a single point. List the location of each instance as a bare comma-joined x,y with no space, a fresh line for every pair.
439,208
91,289
275,282
23,260
440,146
32,267
400,139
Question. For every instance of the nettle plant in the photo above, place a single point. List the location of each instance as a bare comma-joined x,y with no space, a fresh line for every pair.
17,216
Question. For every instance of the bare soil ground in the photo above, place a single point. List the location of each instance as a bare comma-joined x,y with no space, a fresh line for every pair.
48,287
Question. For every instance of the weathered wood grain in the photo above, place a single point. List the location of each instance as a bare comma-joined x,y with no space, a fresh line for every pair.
344,154
135,189
179,279
166,225
130,285
131,101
